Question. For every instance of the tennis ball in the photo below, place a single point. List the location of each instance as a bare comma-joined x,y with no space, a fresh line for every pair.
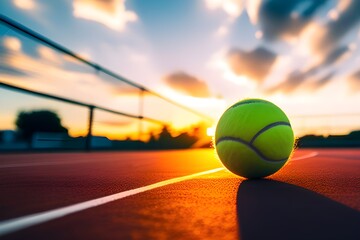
254,138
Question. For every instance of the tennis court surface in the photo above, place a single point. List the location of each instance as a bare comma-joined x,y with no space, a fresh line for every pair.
177,195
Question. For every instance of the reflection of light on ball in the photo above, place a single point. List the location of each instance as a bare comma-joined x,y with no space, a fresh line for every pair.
254,138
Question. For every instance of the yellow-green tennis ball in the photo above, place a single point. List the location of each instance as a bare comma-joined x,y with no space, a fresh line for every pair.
254,138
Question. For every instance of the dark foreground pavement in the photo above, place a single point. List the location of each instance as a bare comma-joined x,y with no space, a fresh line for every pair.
315,196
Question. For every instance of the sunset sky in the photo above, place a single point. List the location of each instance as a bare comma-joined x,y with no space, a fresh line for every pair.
303,55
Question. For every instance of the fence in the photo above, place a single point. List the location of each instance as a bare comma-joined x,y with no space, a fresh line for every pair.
36,72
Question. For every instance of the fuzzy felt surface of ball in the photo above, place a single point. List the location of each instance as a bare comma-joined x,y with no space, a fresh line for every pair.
254,138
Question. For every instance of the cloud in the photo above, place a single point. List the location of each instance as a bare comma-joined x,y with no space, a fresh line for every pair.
335,55
337,29
233,8
318,42
298,79
219,62
25,4
332,57
111,13
12,43
187,84
338,9
123,89
8,70
252,8
292,82
354,81
254,64
320,39
283,19
301,75
322,81
49,55
222,31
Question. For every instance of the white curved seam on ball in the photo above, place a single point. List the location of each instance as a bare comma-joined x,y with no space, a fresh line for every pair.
239,140
267,127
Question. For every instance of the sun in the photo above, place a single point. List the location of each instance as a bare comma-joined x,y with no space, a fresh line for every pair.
210,131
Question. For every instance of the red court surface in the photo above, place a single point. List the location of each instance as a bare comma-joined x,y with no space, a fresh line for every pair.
315,196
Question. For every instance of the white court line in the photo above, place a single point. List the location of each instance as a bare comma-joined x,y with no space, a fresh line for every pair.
16,224
312,154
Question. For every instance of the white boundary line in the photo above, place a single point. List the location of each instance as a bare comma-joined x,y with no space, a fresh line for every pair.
312,154
16,224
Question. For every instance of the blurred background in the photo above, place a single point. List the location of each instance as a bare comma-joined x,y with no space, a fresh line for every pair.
137,74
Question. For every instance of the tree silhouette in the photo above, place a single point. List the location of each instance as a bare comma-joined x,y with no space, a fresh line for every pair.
28,123
164,140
